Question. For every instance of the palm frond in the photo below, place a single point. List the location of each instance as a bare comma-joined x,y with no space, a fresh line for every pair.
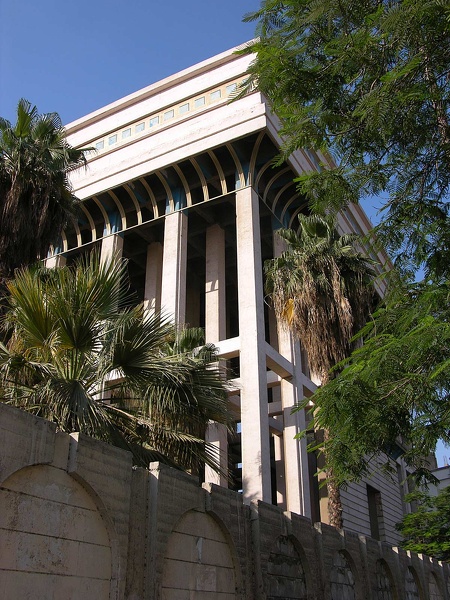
79,356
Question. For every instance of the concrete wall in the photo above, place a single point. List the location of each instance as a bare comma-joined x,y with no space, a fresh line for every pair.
77,521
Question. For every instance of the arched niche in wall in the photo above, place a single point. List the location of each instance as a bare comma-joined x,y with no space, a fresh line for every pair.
198,561
285,577
412,585
434,589
53,540
384,588
342,577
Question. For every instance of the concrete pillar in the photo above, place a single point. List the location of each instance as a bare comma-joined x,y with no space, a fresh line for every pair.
173,287
55,261
279,470
217,435
215,330
215,309
254,417
295,451
112,247
153,278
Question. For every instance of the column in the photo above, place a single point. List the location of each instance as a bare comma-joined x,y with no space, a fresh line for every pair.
279,471
53,262
295,451
153,278
173,287
111,250
215,330
112,247
215,312
254,411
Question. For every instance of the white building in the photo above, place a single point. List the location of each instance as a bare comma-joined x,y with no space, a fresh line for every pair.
182,184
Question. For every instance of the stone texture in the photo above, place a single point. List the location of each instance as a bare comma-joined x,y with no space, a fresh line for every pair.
78,522
24,440
52,537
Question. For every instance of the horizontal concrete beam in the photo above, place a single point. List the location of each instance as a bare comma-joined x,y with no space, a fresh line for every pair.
276,426
228,348
278,363
275,408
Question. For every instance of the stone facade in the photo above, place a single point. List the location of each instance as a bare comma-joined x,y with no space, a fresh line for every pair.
78,522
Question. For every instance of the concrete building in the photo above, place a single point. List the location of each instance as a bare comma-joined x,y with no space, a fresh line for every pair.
183,184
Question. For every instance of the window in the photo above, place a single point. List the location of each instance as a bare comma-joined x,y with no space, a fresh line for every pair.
216,95
139,127
154,121
112,139
231,88
184,108
100,145
199,102
126,133
169,115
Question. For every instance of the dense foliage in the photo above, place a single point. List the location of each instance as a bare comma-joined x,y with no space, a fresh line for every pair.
427,529
80,357
396,385
368,81
35,195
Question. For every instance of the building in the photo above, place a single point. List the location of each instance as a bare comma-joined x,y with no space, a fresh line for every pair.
183,184
442,474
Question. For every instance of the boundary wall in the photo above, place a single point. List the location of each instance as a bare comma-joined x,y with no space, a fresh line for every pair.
77,521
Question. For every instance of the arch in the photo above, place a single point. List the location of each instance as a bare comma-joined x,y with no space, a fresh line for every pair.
220,172
254,156
237,162
65,245
261,172
167,190
384,588
434,589
201,177
412,585
90,221
285,576
119,206
342,577
288,205
151,196
272,180
135,202
295,215
223,181
57,542
198,560
107,229
285,187
185,184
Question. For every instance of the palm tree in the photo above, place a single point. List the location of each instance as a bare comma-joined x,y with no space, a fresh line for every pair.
36,198
75,358
320,289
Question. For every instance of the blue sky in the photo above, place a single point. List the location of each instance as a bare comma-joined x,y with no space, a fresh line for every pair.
75,57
